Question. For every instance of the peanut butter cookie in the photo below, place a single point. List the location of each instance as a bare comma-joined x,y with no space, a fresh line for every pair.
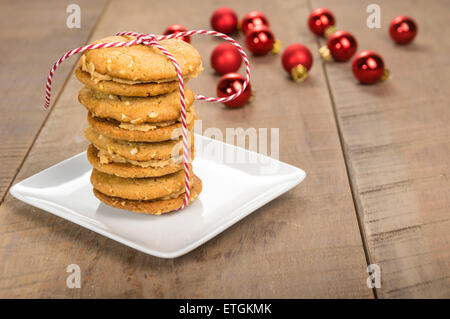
156,206
120,166
139,188
141,89
135,151
147,132
135,110
139,63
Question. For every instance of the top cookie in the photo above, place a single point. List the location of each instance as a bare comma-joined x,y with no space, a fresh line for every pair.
139,63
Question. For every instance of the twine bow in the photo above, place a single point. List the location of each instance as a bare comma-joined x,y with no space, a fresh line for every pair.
153,40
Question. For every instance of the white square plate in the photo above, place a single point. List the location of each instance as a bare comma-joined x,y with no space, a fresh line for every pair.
236,182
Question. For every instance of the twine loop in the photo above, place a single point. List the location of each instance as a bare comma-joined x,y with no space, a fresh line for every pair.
153,40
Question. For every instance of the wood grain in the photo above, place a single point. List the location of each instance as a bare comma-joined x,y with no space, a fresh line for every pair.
34,34
397,146
304,244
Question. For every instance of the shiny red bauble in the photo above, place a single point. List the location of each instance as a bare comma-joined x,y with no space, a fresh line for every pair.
259,40
368,67
176,28
231,83
297,60
319,20
403,29
342,45
253,19
225,58
224,20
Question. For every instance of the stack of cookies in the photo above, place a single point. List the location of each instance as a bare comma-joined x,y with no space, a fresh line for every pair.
132,97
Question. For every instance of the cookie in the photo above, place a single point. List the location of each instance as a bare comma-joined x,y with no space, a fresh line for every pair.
111,87
140,132
120,166
140,63
139,188
135,151
155,207
135,110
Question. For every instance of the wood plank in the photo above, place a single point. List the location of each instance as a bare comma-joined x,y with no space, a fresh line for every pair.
34,34
304,244
396,137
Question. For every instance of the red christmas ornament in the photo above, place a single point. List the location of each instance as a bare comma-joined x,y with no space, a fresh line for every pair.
403,29
224,20
321,22
260,41
368,67
297,60
231,83
176,28
341,46
226,58
253,19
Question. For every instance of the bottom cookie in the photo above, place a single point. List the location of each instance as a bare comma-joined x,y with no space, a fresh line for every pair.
154,207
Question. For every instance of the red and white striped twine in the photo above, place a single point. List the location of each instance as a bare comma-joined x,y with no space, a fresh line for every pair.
152,40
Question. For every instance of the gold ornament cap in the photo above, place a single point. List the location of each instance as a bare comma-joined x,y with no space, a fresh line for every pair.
329,31
299,73
252,97
277,46
325,53
385,75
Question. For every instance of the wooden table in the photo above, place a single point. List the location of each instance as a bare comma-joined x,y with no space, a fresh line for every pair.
377,158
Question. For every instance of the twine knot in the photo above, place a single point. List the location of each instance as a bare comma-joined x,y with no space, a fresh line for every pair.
146,39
